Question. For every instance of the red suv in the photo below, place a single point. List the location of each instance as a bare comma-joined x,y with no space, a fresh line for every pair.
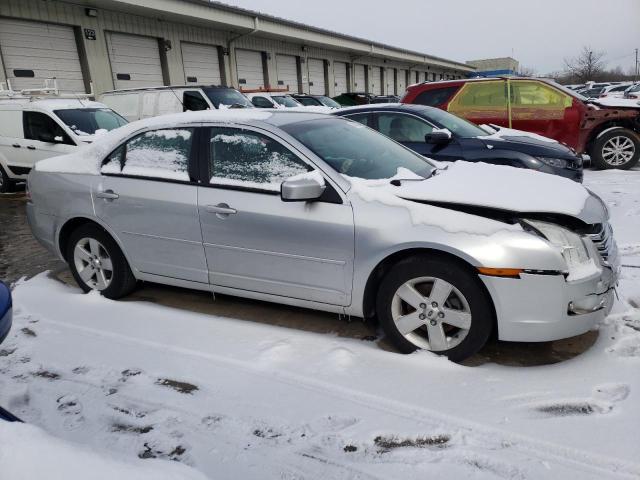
609,135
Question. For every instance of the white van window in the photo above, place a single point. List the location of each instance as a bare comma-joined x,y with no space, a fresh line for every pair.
194,101
86,121
11,124
41,127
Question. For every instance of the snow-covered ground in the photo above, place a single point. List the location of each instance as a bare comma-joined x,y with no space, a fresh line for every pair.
117,382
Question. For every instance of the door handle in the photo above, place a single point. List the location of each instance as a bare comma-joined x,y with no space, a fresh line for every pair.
31,147
221,209
108,195
16,145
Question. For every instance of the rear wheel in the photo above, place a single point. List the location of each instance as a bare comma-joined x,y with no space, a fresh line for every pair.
435,305
618,148
97,263
6,184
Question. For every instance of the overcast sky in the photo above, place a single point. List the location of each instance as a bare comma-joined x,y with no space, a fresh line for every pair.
538,33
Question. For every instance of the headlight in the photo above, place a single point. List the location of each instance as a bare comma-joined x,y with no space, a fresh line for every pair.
570,244
554,162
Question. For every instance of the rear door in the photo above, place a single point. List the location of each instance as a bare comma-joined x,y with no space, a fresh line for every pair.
147,195
256,242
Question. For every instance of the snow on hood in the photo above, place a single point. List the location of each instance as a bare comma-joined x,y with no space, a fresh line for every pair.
617,102
87,159
475,184
503,133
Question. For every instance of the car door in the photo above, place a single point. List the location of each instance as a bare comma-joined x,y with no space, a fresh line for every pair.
410,130
43,138
255,241
12,138
147,195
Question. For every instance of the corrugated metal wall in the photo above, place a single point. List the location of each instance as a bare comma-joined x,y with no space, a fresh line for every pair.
96,59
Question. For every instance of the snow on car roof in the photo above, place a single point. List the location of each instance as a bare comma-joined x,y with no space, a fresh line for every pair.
51,104
87,160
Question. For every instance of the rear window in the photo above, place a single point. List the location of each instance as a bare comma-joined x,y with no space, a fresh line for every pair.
435,97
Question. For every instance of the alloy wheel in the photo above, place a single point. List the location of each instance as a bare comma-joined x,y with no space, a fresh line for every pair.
431,313
93,263
618,151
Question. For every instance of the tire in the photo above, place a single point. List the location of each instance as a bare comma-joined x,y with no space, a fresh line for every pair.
618,148
96,244
6,184
468,305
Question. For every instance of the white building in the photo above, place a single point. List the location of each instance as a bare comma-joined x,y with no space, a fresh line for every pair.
127,43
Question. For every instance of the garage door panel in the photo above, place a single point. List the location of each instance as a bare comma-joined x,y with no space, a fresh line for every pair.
359,78
375,85
249,68
287,72
317,84
136,57
46,49
201,62
340,78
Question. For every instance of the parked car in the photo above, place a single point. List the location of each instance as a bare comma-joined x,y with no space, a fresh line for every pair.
633,91
610,135
615,90
439,135
385,99
139,103
354,98
272,100
321,212
315,100
6,308
34,127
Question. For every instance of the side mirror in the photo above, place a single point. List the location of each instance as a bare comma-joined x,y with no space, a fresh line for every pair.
301,189
438,137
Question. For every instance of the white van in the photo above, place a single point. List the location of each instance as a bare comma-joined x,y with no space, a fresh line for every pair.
138,103
38,124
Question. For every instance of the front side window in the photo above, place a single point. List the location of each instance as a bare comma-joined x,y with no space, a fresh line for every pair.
356,151
41,127
403,128
249,159
194,101
484,100
435,97
88,121
155,154
537,101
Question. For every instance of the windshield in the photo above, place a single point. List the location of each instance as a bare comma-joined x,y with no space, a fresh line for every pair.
354,150
456,125
285,100
228,97
86,121
329,102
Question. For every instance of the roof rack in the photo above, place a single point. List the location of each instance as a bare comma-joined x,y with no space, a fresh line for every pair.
49,89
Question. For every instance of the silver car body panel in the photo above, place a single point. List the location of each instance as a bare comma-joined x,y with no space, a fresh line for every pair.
313,254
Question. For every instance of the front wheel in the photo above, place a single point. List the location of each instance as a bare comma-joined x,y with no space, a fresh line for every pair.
617,148
435,305
97,263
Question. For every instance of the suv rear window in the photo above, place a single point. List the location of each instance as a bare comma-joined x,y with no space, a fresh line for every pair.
435,97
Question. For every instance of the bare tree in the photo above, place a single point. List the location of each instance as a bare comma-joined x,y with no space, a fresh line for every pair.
586,66
526,71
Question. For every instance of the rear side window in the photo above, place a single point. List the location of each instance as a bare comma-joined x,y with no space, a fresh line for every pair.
194,101
249,159
363,118
155,154
485,100
41,127
435,97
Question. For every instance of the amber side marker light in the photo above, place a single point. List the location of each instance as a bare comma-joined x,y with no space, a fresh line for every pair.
501,272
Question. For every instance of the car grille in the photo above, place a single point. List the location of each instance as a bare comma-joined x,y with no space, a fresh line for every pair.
603,239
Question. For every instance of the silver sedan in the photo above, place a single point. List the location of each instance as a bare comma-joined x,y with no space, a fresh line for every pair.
321,212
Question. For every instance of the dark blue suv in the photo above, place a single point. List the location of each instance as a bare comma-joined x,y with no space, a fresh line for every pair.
442,136
5,311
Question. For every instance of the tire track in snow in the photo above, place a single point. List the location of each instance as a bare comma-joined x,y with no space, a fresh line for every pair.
529,447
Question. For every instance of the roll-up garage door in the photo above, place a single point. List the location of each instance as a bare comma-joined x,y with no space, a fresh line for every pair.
135,61
287,69
340,78
34,51
317,84
201,64
375,85
250,69
402,81
359,78
390,81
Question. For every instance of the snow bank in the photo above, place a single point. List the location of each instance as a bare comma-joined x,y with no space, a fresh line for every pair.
87,159
500,133
28,453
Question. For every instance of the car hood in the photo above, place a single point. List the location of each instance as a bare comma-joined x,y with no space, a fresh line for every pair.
503,192
529,145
